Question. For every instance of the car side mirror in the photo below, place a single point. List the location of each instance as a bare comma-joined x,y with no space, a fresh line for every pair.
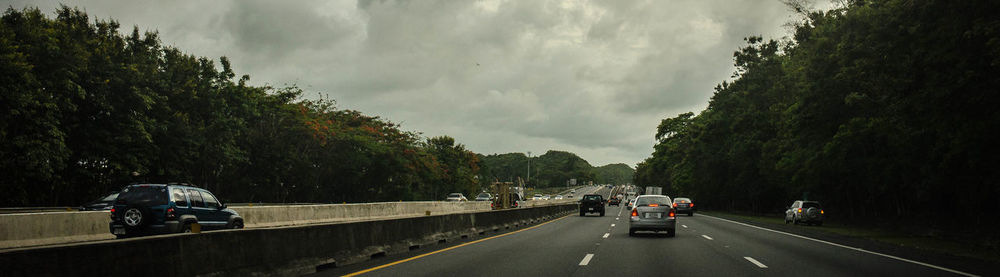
222,206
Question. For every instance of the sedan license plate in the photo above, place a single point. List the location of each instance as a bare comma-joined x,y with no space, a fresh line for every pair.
654,215
119,231
590,209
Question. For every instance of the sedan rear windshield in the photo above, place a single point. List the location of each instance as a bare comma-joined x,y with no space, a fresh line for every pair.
593,197
645,201
455,195
682,200
143,195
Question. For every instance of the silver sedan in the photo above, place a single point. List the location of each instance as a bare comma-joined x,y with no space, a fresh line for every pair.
653,213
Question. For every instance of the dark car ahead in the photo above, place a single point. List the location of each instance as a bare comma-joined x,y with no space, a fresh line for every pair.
652,213
104,203
808,212
591,203
684,206
147,209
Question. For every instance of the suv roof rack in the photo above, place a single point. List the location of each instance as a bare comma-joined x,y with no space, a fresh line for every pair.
181,184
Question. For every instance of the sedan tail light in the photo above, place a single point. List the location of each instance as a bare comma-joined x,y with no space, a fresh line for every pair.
672,214
635,212
675,205
112,213
800,210
820,211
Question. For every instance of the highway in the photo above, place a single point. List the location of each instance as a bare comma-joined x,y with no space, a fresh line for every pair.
600,246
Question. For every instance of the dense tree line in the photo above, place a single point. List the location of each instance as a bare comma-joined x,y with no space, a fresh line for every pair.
552,169
85,110
885,110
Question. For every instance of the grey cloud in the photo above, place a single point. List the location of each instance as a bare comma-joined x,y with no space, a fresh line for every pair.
592,77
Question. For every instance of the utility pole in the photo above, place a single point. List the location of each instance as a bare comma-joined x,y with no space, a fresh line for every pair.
529,169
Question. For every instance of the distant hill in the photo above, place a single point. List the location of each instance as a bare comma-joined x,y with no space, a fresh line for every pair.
553,168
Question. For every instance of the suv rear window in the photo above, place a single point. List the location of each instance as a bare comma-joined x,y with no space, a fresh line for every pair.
143,195
593,197
806,205
645,201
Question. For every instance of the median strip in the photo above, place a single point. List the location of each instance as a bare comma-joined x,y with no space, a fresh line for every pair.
450,248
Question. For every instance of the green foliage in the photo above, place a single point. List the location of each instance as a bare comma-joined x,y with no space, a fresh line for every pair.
85,108
552,169
881,109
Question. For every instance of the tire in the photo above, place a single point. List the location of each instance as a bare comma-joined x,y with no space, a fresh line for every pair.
602,213
583,214
237,225
786,220
795,221
186,228
135,217
671,233
691,214
631,232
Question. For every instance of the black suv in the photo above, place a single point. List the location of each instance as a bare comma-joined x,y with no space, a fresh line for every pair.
591,203
145,209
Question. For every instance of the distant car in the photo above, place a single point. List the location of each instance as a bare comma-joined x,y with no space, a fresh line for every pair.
558,197
653,213
631,203
592,203
808,212
684,206
536,197
616,201
104,203
456,197
146,209
546,197
484,197
515,201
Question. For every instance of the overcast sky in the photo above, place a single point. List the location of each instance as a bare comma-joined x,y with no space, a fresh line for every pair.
591,77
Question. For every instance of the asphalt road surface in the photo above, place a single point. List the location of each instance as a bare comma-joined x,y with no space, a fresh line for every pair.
600,246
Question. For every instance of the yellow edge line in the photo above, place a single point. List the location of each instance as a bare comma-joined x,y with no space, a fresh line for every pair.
450,248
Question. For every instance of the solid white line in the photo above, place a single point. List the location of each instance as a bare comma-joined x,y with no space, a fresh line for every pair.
685,226
706,237
606,235
848,247
586,259
760,265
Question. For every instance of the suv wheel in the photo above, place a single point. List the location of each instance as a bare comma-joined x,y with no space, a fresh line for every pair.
237,224
133,217
186,228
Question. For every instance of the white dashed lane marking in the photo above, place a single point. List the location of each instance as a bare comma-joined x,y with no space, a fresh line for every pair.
606,235
586,259
685,226
707,237
612,225
759,264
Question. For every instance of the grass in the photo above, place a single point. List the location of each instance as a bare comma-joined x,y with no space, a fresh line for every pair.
885,235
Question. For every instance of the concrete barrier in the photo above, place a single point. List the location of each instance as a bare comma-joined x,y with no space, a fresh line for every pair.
18,230
291,250
34,229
